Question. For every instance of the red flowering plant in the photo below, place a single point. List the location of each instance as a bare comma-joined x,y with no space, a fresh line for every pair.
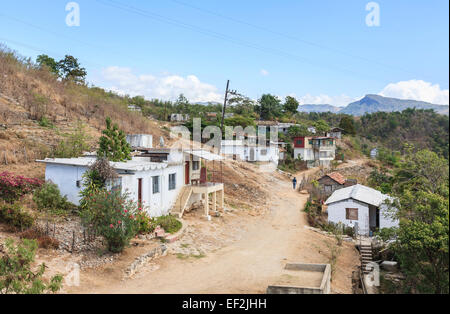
13,187
113,216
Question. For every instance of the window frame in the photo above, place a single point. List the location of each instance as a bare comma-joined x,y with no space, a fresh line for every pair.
172,181
156,190
348,213
195,165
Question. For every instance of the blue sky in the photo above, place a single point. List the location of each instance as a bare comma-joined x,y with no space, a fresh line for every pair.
320,51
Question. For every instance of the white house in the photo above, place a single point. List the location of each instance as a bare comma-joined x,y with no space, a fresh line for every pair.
134,108
315,151
312,130
166,186
239,149
335,133
179,117
363,207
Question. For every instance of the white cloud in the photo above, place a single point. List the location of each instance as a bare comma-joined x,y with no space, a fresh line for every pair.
339,100
264,72
166,86
417,90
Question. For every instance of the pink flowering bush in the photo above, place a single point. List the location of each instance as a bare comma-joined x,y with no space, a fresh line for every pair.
113,216
13,187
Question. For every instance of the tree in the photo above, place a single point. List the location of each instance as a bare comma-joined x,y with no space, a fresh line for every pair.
48,62
347,125
322,127
113,144
182,103
16,274
298,130
270,107
242,105
422,187
70,69
291,105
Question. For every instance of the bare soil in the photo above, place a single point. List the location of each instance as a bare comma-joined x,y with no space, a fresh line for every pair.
249,259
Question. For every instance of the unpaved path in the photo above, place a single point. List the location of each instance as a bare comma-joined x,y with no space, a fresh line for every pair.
248,265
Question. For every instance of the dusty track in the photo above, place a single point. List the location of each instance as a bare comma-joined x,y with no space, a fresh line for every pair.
248,265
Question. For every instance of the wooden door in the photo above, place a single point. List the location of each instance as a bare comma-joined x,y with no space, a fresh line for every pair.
140,192
186,171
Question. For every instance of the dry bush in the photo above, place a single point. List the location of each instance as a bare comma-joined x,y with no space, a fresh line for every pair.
44,241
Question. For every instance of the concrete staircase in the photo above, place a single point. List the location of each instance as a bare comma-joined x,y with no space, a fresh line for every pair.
180,204
366,256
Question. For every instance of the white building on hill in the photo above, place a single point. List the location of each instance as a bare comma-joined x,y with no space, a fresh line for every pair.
362,206
162,180
240,150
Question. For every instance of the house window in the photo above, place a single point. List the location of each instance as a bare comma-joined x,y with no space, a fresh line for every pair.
78,183
172,181
114,185
195,165
263,152
155,184
351,213
310,142
299,142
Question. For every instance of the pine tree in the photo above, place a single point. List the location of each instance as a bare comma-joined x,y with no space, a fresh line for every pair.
113,144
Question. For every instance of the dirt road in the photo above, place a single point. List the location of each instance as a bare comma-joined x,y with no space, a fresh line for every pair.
248,265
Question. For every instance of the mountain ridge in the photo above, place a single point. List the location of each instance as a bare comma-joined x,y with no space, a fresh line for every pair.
372,103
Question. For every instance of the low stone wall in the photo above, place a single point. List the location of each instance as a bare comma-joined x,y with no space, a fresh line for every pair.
325,286
144,259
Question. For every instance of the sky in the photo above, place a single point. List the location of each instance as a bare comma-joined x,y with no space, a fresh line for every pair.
323,51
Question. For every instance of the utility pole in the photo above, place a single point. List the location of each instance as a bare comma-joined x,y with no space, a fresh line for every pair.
225,105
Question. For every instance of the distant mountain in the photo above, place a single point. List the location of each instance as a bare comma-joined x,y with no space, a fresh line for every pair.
375,103
318,108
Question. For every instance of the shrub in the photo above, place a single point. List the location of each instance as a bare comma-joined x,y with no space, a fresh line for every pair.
145,223
48,197
14,216
44,241
96,179
13,187
113,216
45,122
16,274
169,223
75,144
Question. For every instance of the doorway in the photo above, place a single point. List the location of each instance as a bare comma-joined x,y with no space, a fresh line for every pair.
140,192
186,173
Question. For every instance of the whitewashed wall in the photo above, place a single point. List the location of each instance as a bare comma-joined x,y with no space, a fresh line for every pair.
337,214
155,204
304,153
243,152
66,177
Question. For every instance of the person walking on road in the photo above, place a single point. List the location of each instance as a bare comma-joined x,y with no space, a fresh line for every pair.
294,183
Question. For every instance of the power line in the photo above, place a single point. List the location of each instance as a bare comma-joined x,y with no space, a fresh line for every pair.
161,18
291,37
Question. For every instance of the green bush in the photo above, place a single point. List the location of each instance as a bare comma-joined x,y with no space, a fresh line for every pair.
46,123
75,144
48,197
16,271
169,223
14,216
113,216
145,223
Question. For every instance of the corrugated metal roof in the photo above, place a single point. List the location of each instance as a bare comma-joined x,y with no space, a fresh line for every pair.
132,165
204,154
360,193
